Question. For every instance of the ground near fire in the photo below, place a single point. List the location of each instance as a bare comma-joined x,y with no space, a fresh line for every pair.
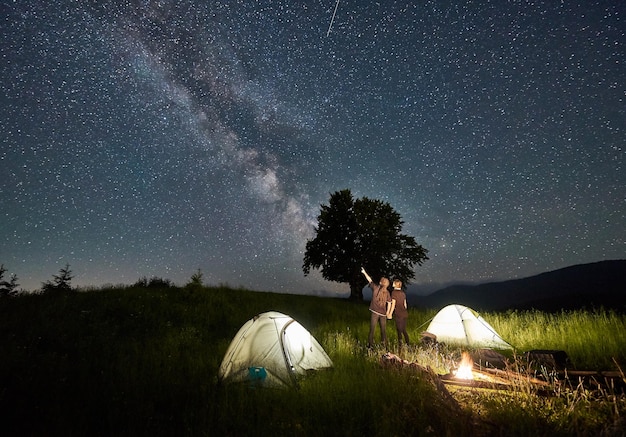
144,361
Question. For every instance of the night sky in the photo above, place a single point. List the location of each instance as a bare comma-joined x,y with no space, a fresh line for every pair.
155,138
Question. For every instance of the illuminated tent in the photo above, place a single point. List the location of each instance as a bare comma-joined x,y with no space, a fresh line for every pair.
458,324
272,349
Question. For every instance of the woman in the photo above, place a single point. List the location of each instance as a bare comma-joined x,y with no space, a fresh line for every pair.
378,308
398,308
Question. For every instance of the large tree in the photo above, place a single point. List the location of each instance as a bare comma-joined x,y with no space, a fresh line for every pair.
351,234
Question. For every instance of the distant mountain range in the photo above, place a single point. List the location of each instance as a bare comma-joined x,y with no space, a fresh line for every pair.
600,284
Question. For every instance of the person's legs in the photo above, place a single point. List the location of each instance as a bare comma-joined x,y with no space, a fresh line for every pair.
373,320
383,330
401,329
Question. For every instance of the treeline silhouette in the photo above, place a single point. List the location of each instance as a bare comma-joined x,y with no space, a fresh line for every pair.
61,282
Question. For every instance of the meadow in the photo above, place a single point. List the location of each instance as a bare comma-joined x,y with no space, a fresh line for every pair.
135,361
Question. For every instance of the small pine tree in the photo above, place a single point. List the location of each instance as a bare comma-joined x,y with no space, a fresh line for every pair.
7,288
60,282
196,280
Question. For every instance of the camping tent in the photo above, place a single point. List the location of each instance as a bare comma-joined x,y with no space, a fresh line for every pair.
458,324
272,348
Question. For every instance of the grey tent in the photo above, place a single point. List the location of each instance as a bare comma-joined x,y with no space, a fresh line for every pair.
458,324
273,349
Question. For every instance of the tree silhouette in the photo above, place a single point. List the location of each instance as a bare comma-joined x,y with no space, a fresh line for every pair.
7,288
196,280
60,282
361,233
153,282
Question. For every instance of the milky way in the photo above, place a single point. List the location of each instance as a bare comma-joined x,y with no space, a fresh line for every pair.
157,138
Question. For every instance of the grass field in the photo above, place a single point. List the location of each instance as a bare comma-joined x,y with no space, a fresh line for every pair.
142,361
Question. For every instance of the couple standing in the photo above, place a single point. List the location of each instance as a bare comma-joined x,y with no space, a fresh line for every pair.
384,306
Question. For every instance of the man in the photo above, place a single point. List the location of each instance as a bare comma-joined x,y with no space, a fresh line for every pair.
398,308
378,308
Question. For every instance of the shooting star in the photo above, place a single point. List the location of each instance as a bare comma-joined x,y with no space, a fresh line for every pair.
333,18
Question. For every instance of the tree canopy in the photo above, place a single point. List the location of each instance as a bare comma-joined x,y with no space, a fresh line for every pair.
354,233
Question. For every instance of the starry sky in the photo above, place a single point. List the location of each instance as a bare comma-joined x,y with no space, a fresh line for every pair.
156,138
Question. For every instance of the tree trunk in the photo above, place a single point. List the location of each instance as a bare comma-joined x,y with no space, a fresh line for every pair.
356,291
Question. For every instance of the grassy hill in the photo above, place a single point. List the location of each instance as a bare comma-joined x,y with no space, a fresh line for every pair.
143,361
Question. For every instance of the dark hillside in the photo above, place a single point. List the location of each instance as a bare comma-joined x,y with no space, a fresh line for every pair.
601,284
141,361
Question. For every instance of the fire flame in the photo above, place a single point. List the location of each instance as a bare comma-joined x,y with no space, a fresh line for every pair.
465,367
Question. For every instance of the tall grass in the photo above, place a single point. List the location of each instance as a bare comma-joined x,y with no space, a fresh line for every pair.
593,340
137,361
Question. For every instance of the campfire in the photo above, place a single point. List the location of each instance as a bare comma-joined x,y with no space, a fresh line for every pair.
464,371
467,375
475,376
